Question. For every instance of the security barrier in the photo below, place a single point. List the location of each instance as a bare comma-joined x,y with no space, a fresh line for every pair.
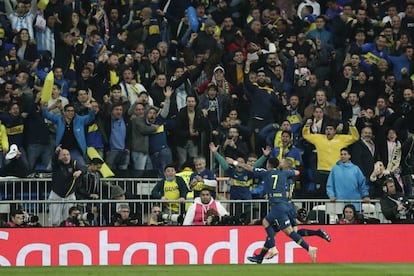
32,196
197,245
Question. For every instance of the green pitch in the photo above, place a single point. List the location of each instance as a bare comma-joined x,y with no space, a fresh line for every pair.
240,270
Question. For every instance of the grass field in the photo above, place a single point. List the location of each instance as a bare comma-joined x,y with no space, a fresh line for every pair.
201,270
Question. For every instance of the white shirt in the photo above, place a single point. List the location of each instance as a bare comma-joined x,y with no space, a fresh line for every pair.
189,216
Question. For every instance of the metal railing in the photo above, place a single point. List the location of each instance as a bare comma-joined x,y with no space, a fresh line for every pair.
32,196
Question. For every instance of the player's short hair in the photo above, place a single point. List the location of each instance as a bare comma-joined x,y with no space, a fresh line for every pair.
273,161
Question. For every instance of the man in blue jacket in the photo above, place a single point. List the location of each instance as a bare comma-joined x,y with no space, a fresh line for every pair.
346,181
70,130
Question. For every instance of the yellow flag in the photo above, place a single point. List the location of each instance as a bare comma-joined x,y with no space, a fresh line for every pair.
47,87
105,170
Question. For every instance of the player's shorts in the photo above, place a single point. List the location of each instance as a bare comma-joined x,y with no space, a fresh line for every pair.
293,214
279,214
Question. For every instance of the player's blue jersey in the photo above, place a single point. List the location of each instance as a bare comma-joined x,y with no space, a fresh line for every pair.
276,183
241,183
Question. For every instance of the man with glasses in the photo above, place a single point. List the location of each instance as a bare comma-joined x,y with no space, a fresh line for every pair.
70,130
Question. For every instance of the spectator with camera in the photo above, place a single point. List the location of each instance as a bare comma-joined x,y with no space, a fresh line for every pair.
17,219
123,217
154,218
235,146
201,211
395,205
76,219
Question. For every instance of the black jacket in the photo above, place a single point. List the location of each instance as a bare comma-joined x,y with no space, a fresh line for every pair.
182,131
63,183
389,207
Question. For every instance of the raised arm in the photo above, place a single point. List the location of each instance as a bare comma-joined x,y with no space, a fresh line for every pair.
166,108
222,161
33,7
261,161
8,7
354,136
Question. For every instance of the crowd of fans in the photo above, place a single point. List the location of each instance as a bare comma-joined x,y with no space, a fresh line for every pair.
146,85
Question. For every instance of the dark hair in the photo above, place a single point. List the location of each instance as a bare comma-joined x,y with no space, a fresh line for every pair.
169,166
67,106
273,161
388,180
58,85
117,105
96,161
11,104
115,87
287,131
73,208
347,150
212,86
205,189
351,206
16,212
330,123
18,38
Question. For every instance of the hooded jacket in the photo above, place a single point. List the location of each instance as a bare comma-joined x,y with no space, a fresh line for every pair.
346,181
193,212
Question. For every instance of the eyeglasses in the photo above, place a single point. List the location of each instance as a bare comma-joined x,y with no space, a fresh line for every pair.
156,212
70,110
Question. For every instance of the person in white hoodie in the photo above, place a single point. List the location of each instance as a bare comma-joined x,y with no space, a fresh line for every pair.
202,208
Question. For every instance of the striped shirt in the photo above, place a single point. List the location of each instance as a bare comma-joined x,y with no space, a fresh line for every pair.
46,40
24,22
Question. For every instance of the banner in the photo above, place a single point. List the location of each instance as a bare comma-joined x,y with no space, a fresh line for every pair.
197,245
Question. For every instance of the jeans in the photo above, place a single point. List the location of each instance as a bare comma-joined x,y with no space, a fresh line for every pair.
189,150
161,159
141,161
39,151
117,159
78,156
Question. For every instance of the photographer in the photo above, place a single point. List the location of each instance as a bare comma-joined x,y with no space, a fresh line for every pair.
17,219
394,205
200,212
76,219
155,216
124,218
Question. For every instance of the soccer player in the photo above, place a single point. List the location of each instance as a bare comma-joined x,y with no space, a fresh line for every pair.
299,216
278,188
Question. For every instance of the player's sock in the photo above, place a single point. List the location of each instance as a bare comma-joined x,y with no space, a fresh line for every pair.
309,232
270,236
264,250
299,240
269,243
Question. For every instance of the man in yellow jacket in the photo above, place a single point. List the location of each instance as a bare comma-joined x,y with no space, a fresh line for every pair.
328,148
